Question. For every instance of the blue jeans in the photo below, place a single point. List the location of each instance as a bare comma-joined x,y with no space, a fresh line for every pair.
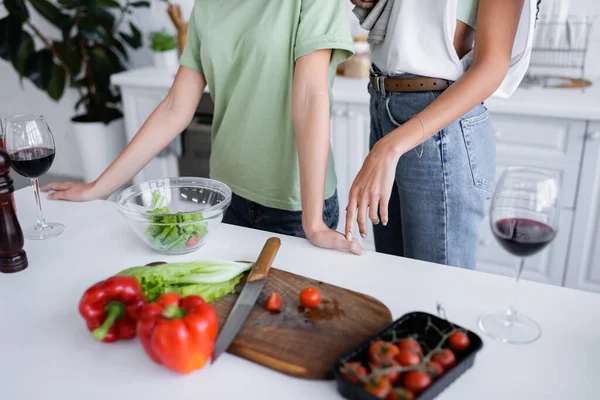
438,205
246,213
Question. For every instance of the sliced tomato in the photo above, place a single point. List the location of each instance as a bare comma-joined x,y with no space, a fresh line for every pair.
192,241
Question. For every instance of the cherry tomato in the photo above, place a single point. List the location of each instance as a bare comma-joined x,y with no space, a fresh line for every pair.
394,371
401,394
407,358
192,241
354,372
434,369
410,345
273,303
445,358
381,351
416,381
310,297
459,341
379,388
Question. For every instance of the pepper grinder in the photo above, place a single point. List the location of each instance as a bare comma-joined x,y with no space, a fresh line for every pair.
12,255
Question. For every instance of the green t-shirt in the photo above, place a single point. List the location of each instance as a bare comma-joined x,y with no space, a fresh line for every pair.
247,51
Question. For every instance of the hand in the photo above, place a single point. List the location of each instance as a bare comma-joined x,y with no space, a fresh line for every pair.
327,238
364,3
72,191
372,188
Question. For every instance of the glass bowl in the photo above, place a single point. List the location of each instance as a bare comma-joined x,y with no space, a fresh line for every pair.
177,215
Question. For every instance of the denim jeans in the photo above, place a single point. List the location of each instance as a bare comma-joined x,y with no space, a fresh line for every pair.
437,206
246,213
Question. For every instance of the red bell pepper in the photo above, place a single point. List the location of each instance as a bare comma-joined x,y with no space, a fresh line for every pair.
178,333
112,307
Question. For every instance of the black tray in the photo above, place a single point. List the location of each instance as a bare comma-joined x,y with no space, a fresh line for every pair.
411,323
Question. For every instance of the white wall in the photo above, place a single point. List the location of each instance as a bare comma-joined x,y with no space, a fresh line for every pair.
14,100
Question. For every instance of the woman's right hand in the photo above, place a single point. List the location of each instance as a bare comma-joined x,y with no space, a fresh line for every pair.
72,191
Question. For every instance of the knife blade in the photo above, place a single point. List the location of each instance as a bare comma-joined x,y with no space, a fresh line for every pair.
254,284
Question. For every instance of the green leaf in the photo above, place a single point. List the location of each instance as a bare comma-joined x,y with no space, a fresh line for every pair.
4,52
138,4
13,31
69,52
130,40
107,4
69,4
56,87
89,30
27,48
137,35
32,70
46,66
17,8
102,18
101,67
119,47
51,13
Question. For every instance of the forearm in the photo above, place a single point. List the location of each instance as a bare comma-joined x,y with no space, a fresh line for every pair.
163,125
167,121
474,87
311,123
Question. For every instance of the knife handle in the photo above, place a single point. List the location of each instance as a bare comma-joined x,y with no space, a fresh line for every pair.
265,259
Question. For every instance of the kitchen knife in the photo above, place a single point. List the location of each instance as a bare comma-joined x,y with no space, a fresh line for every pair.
254,284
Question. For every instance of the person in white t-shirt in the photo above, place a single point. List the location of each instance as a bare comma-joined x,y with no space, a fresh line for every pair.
433,159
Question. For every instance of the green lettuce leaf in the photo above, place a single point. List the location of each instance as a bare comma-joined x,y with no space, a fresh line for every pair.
209,279
172,232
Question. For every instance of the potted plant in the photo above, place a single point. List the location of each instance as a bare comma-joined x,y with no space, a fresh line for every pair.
164,47
91,46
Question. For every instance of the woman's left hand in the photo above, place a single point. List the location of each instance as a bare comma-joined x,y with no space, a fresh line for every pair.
372,188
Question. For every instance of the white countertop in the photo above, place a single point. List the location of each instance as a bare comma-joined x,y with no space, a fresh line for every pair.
47,352
560,103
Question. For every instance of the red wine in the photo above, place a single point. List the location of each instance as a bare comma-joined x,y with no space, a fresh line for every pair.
32,163
523,237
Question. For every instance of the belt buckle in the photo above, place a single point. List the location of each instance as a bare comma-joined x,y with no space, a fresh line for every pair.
380,83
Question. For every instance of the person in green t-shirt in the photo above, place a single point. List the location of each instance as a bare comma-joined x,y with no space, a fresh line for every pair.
269,66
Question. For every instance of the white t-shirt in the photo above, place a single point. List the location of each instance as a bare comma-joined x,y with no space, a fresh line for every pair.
420,40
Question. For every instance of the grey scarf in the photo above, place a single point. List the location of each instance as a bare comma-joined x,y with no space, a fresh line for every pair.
375,20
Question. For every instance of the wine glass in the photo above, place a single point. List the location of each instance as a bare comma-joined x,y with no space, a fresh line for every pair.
30,145
524,219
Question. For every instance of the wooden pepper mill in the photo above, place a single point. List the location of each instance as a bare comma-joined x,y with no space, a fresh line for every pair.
12,255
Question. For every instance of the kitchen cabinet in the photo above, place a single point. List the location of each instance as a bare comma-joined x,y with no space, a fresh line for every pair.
553,143
583,270
552,129
350,144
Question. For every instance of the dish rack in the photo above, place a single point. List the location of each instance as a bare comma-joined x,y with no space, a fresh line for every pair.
560,47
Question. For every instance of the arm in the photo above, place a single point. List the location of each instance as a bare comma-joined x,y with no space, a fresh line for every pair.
497,23
310,115
167,121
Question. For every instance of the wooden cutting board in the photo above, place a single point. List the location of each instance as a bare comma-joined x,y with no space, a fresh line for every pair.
301,342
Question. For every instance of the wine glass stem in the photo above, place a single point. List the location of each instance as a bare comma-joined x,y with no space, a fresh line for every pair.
41,221
512,309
